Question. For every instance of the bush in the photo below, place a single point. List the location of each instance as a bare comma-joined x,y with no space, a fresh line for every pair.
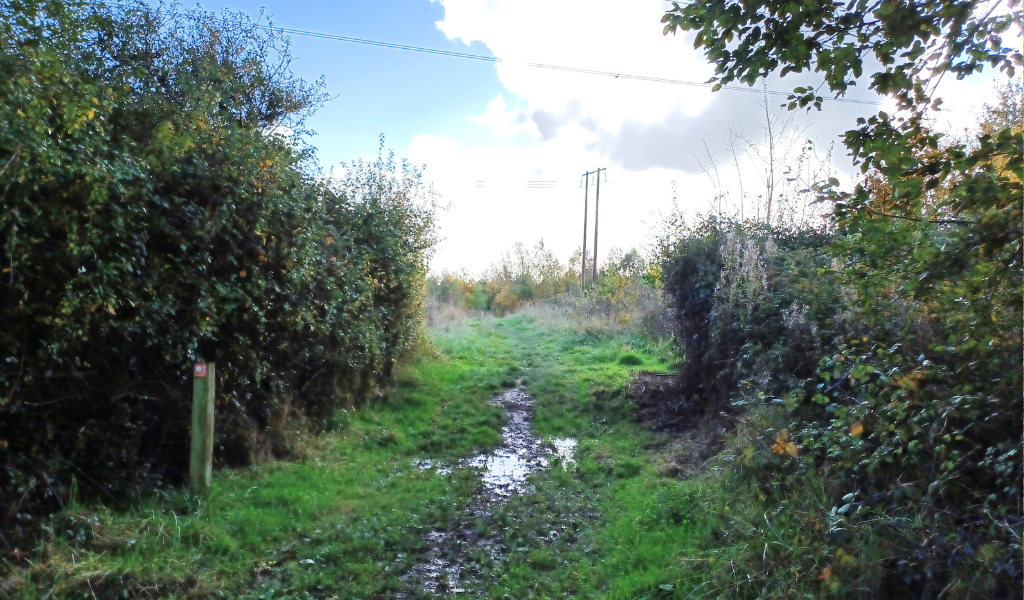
902,401
749,304
156,212
624,290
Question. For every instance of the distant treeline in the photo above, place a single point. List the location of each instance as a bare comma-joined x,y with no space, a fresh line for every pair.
158,208
524,275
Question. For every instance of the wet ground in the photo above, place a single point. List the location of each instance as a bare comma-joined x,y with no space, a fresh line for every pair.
457,557
697,432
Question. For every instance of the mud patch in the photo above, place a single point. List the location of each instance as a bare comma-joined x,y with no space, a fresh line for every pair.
659,402
696,435
447,566
520,454
458,558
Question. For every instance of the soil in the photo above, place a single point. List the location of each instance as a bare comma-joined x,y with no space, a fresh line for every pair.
695,434
453,562
458,557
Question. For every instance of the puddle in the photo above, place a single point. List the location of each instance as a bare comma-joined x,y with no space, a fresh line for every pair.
520,453
565,449
428,465
505,471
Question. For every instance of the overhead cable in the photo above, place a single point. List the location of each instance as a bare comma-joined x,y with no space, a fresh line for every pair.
494,59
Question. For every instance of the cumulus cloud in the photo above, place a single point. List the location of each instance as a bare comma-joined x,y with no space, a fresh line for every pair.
499,194
553,125
504,120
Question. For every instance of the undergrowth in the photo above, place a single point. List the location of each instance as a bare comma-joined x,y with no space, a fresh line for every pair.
349,519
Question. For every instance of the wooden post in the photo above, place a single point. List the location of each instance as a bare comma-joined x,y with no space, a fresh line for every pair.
583,267
597,202
204,385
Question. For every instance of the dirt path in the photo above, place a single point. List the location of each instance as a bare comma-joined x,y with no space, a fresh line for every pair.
453,562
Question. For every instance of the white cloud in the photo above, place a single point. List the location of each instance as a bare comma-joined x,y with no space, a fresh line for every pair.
552,125
608,35
501,194
504,120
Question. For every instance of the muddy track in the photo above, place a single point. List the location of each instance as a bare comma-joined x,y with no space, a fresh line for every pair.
459,557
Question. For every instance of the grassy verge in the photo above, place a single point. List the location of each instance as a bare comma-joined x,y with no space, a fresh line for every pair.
350,519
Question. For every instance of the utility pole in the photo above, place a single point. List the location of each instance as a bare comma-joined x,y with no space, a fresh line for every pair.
597,200
583,268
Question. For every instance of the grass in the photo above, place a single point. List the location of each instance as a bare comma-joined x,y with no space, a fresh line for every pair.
349,519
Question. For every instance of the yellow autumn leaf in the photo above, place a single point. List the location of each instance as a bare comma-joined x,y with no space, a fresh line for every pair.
782,445
856,429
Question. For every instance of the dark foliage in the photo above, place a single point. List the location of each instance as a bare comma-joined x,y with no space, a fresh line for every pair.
913,413
735,308
907,405
156,211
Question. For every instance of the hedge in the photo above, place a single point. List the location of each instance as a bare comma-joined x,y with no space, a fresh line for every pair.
159,207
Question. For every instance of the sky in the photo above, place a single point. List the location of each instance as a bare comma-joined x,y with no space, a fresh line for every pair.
505,144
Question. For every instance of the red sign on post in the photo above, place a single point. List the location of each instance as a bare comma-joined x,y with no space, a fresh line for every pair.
200,370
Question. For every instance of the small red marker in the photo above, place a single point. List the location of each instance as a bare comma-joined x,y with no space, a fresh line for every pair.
200,370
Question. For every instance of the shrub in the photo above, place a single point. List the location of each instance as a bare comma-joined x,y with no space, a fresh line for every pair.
914,418
155,212
898,395
745,314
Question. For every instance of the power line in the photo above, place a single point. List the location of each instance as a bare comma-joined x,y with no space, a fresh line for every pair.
342,38
734,88
581,71
494,59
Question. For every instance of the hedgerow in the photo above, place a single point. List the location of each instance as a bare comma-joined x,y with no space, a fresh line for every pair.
158,207
909,423
524,275
873,362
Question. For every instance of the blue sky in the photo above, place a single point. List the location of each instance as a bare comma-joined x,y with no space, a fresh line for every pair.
484,131
376,90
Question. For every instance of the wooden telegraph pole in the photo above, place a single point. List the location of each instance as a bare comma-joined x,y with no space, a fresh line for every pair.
203,392
583,268
597,201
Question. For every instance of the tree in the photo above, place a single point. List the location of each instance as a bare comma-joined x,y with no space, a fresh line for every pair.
939,217
915,42
928,250
786,163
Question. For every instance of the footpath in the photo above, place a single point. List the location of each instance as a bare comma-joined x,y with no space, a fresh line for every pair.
508,462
